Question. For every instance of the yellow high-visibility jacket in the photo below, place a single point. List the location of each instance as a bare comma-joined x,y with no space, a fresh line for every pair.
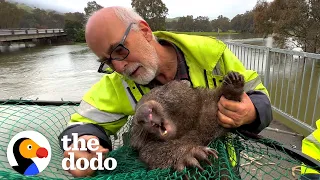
311,147
105,108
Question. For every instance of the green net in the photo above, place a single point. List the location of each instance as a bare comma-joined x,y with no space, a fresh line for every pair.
256,158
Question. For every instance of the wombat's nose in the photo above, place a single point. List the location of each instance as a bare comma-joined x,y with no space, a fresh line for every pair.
144,113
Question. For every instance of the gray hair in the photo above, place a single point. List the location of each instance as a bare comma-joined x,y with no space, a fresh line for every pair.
129,15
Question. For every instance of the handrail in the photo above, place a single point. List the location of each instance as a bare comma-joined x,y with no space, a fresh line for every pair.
12,32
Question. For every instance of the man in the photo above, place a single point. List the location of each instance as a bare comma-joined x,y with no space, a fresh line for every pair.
311,147
141,60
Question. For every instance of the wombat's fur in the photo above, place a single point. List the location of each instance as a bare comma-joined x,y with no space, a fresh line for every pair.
174,123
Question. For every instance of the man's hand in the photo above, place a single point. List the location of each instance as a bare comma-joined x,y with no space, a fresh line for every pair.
233,114
84,154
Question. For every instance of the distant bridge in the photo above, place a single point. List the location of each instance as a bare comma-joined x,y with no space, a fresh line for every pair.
9,36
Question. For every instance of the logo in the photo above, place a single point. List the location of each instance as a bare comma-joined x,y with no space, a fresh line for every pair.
82,163
29,153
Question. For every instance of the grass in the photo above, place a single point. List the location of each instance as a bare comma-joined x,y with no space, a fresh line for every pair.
206,33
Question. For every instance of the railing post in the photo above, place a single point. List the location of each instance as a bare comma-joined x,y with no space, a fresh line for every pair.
267,68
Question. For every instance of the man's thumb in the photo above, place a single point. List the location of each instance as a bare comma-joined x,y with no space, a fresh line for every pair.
102,149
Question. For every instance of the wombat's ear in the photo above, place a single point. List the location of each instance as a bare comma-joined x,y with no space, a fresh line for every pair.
186,82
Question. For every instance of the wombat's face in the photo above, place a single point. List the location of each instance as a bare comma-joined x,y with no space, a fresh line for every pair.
151,117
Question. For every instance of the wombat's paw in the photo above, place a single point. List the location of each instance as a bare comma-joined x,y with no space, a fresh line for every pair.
234,78
192,158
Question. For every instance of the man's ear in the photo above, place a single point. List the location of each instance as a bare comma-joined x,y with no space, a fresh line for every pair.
146,30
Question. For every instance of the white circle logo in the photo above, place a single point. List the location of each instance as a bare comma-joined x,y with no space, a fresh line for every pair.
29,153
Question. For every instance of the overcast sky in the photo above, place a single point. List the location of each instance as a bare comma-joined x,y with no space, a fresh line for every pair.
228,8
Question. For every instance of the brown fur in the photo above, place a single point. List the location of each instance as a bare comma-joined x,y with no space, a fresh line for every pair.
190,117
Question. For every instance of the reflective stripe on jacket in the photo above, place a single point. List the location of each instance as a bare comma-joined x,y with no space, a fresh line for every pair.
311,147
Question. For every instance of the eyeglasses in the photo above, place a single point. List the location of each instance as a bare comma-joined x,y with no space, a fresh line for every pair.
118,53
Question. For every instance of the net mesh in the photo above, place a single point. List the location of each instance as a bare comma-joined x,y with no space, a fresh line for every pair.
255,159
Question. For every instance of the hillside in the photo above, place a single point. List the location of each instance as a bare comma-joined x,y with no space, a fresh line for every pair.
24,7
28,7
172,19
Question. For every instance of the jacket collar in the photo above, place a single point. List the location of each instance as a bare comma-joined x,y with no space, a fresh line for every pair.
205,51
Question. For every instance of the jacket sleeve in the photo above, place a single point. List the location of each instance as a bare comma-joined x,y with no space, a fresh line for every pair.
103,110
254,88
264,112
86,129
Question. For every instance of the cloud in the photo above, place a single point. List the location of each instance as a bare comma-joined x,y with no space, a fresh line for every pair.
212,9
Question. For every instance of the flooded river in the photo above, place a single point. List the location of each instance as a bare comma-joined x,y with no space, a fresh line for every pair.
54,72
48,73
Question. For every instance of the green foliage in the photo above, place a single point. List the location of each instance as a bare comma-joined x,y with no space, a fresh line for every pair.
243,22
185,23
25,7
22,16
172,19
221,23
10,15
153,11
297,19
92,6
240,23
74,30
74,26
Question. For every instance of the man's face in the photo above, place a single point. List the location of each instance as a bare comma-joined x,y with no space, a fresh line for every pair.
142,61
138,58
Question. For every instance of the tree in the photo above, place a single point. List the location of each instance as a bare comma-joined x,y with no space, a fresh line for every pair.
76,17
262,18
10,15
92,6
74,26
243,22
222,23
171,25
153,11
296,19
186,24
202,23
55,20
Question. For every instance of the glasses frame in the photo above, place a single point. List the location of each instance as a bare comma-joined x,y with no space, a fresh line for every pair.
109,59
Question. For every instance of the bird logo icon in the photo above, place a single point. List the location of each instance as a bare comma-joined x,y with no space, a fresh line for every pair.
29,153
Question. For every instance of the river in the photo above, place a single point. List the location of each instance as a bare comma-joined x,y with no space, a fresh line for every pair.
53,72
47,72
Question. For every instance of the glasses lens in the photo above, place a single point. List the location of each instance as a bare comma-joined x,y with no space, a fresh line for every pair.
119,53
104,68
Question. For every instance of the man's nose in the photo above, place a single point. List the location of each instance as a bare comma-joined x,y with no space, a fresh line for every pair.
119,65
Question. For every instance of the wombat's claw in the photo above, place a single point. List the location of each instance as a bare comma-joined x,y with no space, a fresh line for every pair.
212,152
234,78
195,155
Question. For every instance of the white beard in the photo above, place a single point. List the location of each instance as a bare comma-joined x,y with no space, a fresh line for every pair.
147,71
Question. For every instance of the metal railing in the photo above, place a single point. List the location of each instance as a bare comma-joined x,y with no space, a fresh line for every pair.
11,32
292,79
